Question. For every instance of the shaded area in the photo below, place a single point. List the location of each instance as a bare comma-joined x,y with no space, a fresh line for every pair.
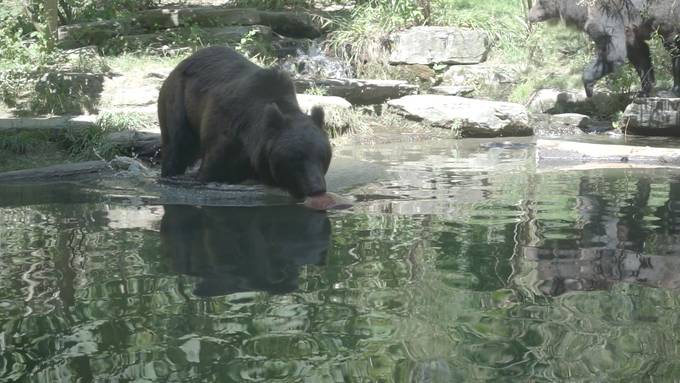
243,249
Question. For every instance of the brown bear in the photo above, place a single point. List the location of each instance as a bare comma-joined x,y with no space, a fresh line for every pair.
620,29
243,121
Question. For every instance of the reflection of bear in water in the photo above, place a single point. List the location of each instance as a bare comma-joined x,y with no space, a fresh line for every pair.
244,122
237,249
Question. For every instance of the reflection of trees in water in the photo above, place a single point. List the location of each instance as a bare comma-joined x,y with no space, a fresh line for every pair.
619,236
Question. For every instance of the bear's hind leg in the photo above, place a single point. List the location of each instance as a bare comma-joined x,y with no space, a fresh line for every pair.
180,153
640,57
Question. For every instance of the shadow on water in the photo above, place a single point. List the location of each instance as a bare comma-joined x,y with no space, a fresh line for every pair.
235,249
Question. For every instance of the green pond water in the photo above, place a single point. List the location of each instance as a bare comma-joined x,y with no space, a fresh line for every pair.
461,261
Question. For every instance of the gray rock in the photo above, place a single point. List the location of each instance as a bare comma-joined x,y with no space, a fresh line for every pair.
571,119
358,91
308,101
439,45
452,90
475,118
555,101
559,125
652,116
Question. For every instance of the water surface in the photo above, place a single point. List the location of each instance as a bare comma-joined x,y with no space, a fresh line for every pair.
462,261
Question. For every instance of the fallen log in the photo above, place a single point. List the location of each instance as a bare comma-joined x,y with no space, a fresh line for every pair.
141,144
56,172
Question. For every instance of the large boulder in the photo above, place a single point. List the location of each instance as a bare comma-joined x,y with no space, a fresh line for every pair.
439,45
559,125
652,116
474,118
556,101
358,91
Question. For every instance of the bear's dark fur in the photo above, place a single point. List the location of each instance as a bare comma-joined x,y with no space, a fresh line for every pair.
244,122
620,29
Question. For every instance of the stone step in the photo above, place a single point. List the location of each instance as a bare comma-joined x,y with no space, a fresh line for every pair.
359,91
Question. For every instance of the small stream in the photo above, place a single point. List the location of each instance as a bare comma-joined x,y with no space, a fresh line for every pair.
462,260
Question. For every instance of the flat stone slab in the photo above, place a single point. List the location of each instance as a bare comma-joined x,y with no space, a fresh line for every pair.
562,152
654,116
359,91
452,90
58,122
439,45
474,118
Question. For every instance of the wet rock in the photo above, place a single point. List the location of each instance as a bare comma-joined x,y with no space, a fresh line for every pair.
652,116
439,45
452,90
358,91
314,63
474,118
290,47
308,101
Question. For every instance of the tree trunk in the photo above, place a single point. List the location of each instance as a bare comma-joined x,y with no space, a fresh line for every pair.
52,18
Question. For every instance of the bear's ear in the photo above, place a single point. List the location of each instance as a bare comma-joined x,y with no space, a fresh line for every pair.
273,117
318,117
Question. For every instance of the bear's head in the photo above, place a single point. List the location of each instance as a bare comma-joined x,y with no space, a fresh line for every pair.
300,152
543,10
